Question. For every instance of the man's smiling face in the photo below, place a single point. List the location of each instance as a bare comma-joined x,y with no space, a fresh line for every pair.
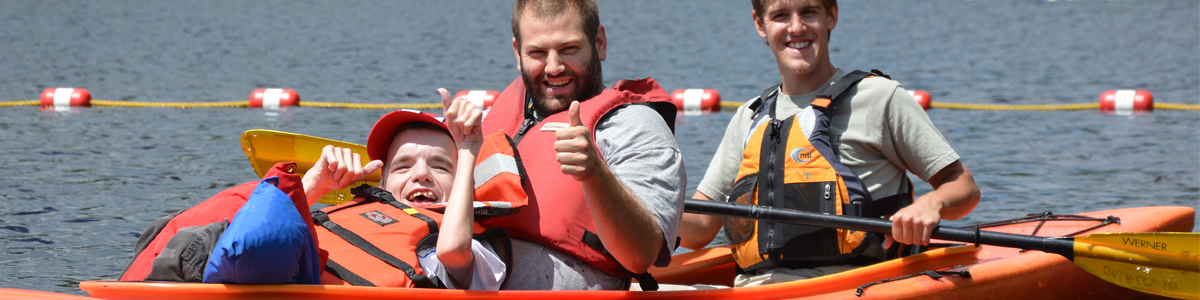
798,33
558,63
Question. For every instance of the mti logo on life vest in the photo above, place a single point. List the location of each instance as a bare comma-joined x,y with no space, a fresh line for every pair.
801,155
378,217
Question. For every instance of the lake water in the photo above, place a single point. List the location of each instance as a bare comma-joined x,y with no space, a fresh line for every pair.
78,188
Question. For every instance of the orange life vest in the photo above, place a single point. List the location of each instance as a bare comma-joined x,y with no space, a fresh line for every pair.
375,240
791,163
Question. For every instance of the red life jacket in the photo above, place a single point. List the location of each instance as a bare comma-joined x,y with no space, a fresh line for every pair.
218,208
557,215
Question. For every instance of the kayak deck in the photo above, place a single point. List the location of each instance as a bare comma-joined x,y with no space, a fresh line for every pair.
995,273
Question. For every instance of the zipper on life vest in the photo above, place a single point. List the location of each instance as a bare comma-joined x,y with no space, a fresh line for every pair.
827,198
775,126
523,130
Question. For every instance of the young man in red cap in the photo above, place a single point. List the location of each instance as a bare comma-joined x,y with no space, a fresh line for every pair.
263,233
425,161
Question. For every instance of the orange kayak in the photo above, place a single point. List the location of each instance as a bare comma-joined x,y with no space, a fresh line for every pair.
995,273
18,294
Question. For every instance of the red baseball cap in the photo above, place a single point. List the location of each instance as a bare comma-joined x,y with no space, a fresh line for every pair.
385,129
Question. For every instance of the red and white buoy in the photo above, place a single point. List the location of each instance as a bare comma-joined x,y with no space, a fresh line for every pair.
696,101
481,98
1126,102
62,99
922,98
274,98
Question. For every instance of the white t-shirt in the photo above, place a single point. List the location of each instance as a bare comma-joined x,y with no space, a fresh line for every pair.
489,268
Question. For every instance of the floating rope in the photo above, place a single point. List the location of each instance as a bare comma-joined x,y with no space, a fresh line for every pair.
1178,106
1080,106
724,104
731,104
20,103
111,103
371,105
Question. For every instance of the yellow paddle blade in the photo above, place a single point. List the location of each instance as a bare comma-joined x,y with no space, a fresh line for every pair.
265,148
1165,263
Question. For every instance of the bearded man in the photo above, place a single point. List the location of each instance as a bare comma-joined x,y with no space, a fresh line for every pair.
605,175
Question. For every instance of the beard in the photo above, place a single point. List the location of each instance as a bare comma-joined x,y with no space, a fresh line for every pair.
588,83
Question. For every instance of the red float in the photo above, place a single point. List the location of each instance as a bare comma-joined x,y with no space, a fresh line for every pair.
696,101
1126,102
65,98
922,97
481,98
274,98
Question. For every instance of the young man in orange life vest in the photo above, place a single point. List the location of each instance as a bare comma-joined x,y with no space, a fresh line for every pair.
825,140
425,162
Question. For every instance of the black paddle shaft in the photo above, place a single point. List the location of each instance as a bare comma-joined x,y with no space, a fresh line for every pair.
1061,246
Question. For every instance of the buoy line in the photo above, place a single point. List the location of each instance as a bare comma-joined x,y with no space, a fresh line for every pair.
687,101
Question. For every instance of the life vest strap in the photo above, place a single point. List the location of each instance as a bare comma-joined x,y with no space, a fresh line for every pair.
645,280
834,94
419,280
878,208
345,274
884,207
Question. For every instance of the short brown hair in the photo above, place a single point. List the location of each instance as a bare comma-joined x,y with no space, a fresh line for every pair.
586,9
760,5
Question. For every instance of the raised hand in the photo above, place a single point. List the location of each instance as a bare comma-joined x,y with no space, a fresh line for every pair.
454,240
464,120
576,154
337,169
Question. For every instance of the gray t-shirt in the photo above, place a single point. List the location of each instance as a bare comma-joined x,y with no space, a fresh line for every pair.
879,133
641,151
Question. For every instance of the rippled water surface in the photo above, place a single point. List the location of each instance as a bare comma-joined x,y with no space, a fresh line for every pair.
77,188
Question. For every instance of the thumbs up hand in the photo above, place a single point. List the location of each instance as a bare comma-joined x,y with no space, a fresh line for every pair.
464,120
576,154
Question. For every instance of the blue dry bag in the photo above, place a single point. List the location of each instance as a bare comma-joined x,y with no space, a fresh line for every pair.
267,243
